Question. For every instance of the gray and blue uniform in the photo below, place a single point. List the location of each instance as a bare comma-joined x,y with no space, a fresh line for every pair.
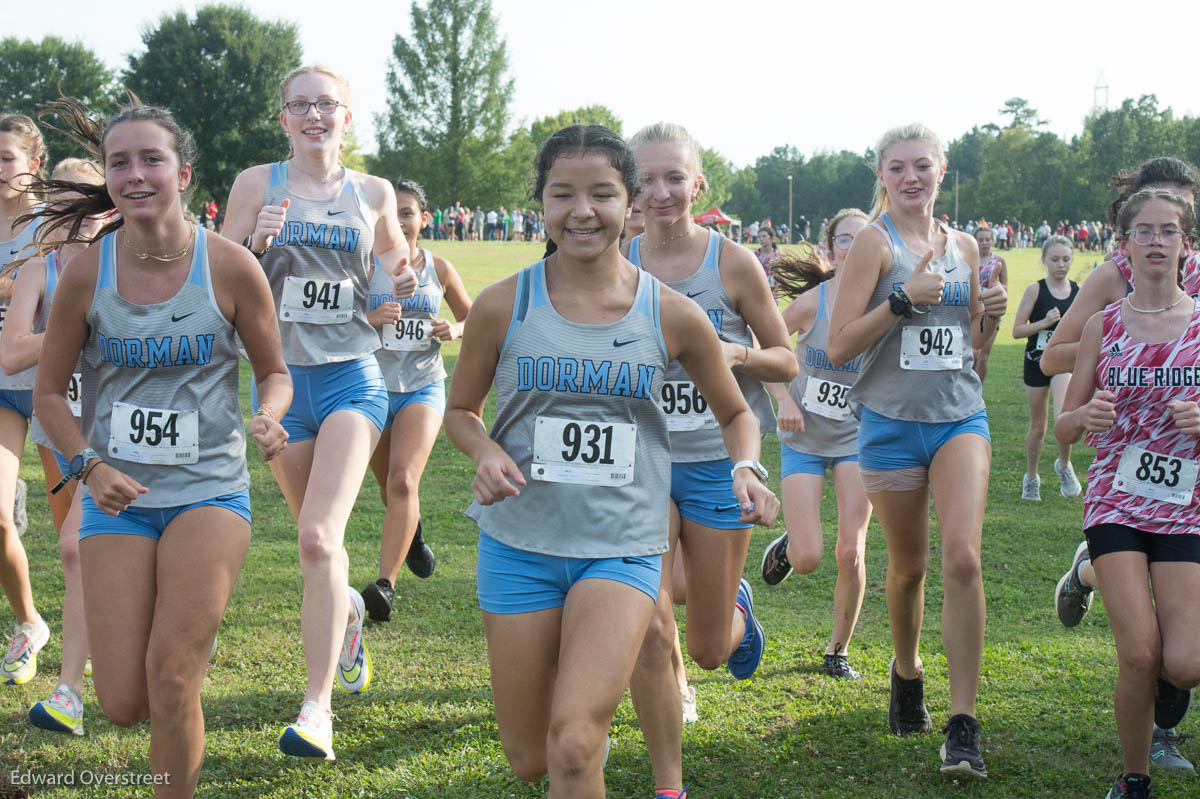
920,370
319,267
16,391
411,358
701,483
74,389
160,399
821,390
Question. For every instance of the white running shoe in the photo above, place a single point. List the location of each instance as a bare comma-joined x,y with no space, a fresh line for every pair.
354,665
1068,483
311,736
20,664
62,711
690,714
1031,488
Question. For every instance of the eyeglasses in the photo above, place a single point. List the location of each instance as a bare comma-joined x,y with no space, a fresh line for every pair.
843,241
1144,235
300,107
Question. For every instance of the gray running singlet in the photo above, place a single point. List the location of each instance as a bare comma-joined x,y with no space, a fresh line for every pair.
318,267
576,411
410,357
15,249
822,392
920,369
161,387
74,390
695,435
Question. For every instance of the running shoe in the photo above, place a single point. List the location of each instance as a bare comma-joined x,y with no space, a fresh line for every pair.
839,666
1130,786
420,559
20,516
682,794
745,659
1164,750
1031,488
20,664
1068,483
688,697
960,753
62,711
354,664
311,736
1170,704
906,709
775,564
378,597
1072,598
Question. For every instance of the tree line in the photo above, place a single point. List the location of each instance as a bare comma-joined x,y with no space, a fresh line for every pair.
448,123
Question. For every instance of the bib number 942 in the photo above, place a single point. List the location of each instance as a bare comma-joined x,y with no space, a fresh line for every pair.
931,348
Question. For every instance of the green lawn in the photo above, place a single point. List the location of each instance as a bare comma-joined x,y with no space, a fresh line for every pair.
426,729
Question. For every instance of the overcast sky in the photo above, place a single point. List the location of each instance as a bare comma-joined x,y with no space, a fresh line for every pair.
747,76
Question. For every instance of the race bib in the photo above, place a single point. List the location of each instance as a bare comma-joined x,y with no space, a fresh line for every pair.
826,398
1043,338
1154,476
74,392
931,348
587,452
685,407
154,435
316,301
409,335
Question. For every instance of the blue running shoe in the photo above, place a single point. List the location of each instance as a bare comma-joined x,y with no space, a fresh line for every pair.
744,661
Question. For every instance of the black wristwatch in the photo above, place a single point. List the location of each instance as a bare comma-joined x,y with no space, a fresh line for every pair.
76,468
901,305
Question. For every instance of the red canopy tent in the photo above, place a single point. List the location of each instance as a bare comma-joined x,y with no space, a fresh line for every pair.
714,216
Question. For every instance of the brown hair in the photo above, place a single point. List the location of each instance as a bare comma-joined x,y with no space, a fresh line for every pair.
798,272
1135,203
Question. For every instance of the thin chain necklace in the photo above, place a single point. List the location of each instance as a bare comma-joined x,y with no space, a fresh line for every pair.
322,181
673,238
1178,300
164,258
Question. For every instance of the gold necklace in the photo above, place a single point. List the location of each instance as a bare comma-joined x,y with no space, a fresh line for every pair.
164,258
1178,300
673,238
322,181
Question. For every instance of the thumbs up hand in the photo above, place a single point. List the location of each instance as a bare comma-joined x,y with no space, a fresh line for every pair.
925,287
268,225
994,297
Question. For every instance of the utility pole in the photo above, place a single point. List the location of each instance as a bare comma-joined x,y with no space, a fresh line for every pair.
956,198
789,177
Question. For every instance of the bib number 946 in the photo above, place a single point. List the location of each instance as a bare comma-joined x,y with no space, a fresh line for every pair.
409,335
583,451
158,436
1156,476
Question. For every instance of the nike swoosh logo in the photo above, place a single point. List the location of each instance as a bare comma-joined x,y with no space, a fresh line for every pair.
175,318
13,252
623,343
697,294
335,213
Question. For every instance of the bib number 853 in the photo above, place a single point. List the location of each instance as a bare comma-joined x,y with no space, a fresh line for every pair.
1159,469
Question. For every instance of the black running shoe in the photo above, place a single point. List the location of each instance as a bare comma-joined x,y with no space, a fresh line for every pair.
906,710
839,666
1170,704
960,753
378,598
1130,786
420,559
775,565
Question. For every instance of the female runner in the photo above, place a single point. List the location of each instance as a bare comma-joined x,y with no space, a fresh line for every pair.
411,361
567,487
314,224
22,155
729,284
822,437
908,304
1041,307
155,309
28,313
1135,391
992,267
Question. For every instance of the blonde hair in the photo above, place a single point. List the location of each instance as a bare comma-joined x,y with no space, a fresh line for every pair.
84,168
672,132
912,132
29,136
316,69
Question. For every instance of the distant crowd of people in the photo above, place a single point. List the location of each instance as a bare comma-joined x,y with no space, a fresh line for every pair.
462,223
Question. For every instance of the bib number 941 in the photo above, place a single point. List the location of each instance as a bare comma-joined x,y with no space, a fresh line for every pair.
316,301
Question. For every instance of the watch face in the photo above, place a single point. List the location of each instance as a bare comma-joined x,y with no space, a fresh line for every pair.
77,464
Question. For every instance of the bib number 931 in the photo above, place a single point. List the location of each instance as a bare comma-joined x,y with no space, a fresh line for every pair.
158,436
583,451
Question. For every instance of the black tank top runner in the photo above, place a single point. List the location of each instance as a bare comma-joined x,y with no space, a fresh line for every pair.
1036,344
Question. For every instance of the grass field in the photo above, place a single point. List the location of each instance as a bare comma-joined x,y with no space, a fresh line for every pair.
426,728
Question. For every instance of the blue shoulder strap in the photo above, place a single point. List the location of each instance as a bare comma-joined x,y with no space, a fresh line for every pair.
520,304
